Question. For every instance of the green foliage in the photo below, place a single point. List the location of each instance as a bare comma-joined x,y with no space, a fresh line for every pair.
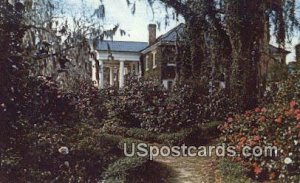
147,105
87,153
278,72
90,103
189,136
11,61
233,172
128,169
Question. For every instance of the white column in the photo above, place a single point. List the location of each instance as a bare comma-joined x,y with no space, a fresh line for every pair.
136,69
101,74
121,72
111,76
140,69
94,73
131,69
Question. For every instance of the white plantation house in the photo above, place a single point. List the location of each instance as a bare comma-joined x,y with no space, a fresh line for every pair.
154,60
114,60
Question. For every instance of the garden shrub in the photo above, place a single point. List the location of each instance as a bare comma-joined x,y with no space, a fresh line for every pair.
233,172
189,136
45,102
136,133
54,136
91,103
276,124
128,169
77,154
147,105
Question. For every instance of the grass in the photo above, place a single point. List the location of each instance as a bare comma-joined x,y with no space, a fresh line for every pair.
192,136
233,172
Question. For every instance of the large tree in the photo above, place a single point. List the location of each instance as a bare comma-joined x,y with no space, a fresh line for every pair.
228,37
59,35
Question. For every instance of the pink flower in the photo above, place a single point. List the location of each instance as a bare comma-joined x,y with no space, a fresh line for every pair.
230,119
298,117
293,104
258,110
264,109
257,138
297,111
262,118
279,120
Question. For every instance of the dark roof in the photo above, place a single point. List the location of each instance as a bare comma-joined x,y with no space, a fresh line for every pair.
123,46
173,34
274,49
170,36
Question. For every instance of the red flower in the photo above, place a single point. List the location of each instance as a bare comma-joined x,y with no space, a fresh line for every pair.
289,113
257,138
257,169
264,109
297,111
298,117
258,110
279,120
253,143
293,104
262,119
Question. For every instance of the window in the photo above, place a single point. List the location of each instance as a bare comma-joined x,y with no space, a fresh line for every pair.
170,85
154,59
147,63
171,60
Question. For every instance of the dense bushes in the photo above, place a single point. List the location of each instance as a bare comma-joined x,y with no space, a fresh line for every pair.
55,136
147,105
47,154
276,124
123,169
188,136
90,103
44,103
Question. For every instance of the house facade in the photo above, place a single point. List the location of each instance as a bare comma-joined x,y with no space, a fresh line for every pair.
112,61
155,60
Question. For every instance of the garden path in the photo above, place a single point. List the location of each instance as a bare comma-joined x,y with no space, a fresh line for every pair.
191,169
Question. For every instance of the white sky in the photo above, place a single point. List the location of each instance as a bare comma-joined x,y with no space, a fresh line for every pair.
136,26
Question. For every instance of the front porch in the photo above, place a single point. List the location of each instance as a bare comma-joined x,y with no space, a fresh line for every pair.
108,73
114,60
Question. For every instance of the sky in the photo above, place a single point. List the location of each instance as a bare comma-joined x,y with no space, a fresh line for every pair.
136,26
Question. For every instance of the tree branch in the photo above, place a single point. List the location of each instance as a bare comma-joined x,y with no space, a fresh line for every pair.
179,7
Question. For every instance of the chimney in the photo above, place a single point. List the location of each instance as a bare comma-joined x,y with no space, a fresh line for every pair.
297,52
152,33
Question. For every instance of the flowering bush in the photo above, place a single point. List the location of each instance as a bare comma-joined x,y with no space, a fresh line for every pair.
90,103
147,105
277,124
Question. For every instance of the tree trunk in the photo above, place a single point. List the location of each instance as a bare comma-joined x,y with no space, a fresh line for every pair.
246,30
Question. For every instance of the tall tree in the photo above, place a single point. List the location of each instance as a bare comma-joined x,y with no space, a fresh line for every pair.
231,35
